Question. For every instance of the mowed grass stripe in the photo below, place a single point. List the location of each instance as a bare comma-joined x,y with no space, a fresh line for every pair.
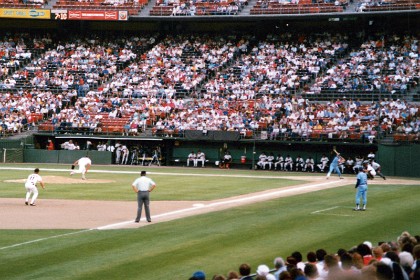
218,242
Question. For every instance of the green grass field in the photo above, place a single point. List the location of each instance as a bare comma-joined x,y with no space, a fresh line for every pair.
216,242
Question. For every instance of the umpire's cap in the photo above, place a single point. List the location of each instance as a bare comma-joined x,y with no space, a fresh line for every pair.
360,168
143,173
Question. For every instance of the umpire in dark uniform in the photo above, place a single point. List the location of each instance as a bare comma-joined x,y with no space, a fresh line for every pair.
143,186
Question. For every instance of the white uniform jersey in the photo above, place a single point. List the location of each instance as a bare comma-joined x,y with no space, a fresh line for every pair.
371,170
263,157
227,157
280,159
375,165
32,180
84,161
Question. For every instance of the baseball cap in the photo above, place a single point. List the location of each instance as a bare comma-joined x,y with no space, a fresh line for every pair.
143,173
198,274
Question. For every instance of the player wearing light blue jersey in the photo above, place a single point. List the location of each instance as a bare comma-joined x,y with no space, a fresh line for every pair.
362,188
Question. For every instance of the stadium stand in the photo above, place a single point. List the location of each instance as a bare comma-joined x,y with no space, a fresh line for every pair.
139,85
185,8
380,6
133,6
32,4
303,7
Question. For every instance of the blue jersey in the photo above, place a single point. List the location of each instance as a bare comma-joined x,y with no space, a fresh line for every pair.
362,179
334,163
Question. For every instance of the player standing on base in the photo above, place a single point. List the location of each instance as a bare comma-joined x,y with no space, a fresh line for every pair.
30,186
362,188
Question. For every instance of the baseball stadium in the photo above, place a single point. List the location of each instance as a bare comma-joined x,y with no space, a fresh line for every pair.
279,139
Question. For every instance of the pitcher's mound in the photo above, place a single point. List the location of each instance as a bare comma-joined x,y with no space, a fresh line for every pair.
75,179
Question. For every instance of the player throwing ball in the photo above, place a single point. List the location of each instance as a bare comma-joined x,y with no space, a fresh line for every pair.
30,186
84,164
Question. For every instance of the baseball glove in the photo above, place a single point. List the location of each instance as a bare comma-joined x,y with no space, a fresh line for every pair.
72,167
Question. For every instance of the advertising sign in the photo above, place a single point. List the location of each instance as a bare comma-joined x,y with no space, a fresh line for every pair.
25,13
59,14
97,15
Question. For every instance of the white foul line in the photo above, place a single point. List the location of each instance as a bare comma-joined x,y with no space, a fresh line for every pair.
45,238
330,214
225,202
315,212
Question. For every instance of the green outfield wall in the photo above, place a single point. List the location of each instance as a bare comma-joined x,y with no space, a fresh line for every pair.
400,160
396,159
64,156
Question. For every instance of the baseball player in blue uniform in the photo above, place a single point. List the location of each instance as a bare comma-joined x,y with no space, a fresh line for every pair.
334,165
362,188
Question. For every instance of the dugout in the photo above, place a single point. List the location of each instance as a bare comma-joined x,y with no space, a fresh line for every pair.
396,159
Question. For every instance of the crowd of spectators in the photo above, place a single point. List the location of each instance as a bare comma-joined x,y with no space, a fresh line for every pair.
399,259
199,7
382,64
189,82
383,5
280,64
24,3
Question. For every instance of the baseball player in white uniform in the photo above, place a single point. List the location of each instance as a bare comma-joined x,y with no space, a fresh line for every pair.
288,162
84,164
371,156
125,152
262,160
191,158
349,164
118,153
377,167
279,162
358,163
310,163
300,163
369,170
324,161
270,159
201,157
30,186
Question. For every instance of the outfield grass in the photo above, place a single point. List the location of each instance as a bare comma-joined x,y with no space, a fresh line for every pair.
173,184
215,242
